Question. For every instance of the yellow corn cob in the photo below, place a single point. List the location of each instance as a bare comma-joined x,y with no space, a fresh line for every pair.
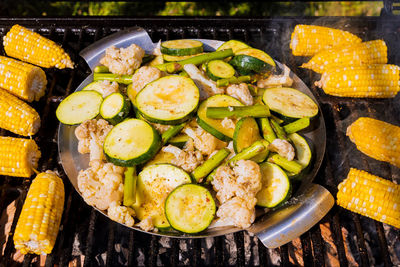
40,218
377,139
307,40
371,196
18,156
31,47
375,81
24,80
17,116
372,52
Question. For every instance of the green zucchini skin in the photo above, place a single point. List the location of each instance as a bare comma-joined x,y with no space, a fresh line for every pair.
235,45
219,69
247,65
121,114
245,134
181,47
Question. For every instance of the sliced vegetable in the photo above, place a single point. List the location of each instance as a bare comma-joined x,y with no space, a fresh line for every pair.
233,80
130,186
179,140
79,107
257,111
190,208
181,47
115,108
258,150
147,58
235,45
101,69
171,132
297,125
131,142
168,100
303,151
291,166
290,102
210,164
124,79
280,133
214,126
219,69
250,60
154,184
161,157
246,133
266,129
177,58
276,186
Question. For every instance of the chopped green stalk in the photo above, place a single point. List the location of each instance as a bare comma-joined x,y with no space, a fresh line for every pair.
171,132
101,69
297,125
233,80
130,186
280,133
266,129
278,120
250,152
173,67
291,166
147,58
258,111
124,79
209,165
184,74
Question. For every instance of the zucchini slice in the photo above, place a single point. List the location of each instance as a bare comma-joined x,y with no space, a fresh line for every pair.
190,208
161,157
245,134
79,107
131,142
251,60
94,86
276,186
214,126
154,183
290,102
179,140
219,69
235,45
182,47
178,58
303,151
115,108
168,100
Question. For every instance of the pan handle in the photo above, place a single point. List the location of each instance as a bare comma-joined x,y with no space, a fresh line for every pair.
295,218
134,35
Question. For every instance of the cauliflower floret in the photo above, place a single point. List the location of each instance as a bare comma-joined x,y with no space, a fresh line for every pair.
146,224
143,76
101,184
283,148
161,128
203,141
106,88
237,212
248,175
121,214
241,92
228,123
188,158
123,60
91,135
277,80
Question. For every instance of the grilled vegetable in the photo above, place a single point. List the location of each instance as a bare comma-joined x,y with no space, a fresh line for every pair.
21,79
209,165
375,81
168,100
233,80
17,116
161,158
246,133
219,69
115,108
131,142
179,140
40,218
276,187
257,111
19,156
190,208
171,132
290,102
178,58
266,129
31,47
279,131
101,69
291,166
215,126
377,139
182,47
234,45
251,60
308,40
154,184
297,125
303,151
372,52
130,179
371,196
258,152
123,79
79,107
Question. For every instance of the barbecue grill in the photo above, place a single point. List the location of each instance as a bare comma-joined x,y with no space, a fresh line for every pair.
90,239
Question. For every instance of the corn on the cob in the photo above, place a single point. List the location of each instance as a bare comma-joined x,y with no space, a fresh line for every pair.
375,81
377,139
307,40
24,80
372,52
40,218
31,47
371,196
18,156
17,116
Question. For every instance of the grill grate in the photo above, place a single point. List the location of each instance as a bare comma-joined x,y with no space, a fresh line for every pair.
89,238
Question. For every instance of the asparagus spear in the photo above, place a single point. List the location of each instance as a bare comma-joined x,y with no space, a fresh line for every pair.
291,166
209,165
101,69
297,125
171,132
130,186
258,111
124,79
233,80
280,133
266,129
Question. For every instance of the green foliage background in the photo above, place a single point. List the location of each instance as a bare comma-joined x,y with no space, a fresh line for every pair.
24,8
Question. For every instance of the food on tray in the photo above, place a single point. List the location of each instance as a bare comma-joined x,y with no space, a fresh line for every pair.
308,40
21,79
371,52
19,156
31,47
17,116
377,139
186,112
371,196
123,60
40,218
